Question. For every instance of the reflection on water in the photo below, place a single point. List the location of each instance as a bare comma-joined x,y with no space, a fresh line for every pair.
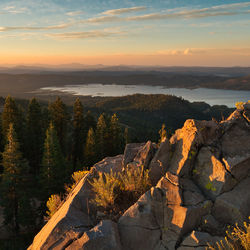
210,96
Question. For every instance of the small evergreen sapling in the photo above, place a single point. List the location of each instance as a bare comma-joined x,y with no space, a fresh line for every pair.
53,172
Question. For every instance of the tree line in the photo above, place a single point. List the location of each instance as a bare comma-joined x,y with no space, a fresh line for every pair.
42,146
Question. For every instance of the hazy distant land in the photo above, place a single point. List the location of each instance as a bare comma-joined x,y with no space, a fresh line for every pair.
24,82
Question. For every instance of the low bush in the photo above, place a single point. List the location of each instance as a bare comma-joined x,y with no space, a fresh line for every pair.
76,177
55,200
135,181
237,238
239,105
107,188
53,204
116,192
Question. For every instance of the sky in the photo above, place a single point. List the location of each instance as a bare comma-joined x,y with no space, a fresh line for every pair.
125,32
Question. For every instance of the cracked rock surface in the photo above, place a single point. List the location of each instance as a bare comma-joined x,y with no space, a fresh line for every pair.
201,183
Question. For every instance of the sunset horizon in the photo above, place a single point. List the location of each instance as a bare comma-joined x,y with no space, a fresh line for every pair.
148,33
124,125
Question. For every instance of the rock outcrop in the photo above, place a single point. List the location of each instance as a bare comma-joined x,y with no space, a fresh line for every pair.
200,184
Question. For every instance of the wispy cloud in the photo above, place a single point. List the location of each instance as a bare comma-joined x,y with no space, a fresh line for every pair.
13,28
13,10
74,13
219,10
22,36
201,51
104,19
229,6
87,34
124,10
186,52
185,14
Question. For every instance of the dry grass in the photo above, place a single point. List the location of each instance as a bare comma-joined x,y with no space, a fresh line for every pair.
55,200
106,188
116,192
237,238
76,177
135,181
53,204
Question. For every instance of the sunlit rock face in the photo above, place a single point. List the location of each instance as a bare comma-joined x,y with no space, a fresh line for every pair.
200,183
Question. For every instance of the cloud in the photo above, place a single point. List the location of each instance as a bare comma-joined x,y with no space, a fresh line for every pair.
231,6
17,28
185,52
74,13
13,10
22,36
103,19
86,34
9,8
184,14
219,10
202,51
124,10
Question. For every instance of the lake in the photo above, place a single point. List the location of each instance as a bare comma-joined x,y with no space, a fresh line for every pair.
210,96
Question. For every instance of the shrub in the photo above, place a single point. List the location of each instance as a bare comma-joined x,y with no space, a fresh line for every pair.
239,105
53,204
116,192
237,238
55,201
76,177
106,188
136,180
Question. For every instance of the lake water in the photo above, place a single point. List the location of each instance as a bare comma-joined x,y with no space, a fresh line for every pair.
210,96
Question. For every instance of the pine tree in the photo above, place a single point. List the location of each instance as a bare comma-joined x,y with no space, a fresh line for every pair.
101,137
53,172
11,114
116,136
79,133
90,121
17,210
34,136
90,148
59,117
45,118
1,138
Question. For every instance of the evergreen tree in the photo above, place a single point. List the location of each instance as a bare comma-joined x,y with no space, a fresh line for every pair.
116,136
90,148
45,118
59,117
79,133
90,121
101,137
17,209
1,146
53,172
34,136
11,114
1,134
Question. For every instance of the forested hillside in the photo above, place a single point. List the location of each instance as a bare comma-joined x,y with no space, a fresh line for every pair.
151,111
42,144
26,84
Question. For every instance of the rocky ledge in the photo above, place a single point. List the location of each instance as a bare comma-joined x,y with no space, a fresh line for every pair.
201,183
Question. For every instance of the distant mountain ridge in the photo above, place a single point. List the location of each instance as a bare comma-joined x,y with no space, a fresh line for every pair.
39,68
26,84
